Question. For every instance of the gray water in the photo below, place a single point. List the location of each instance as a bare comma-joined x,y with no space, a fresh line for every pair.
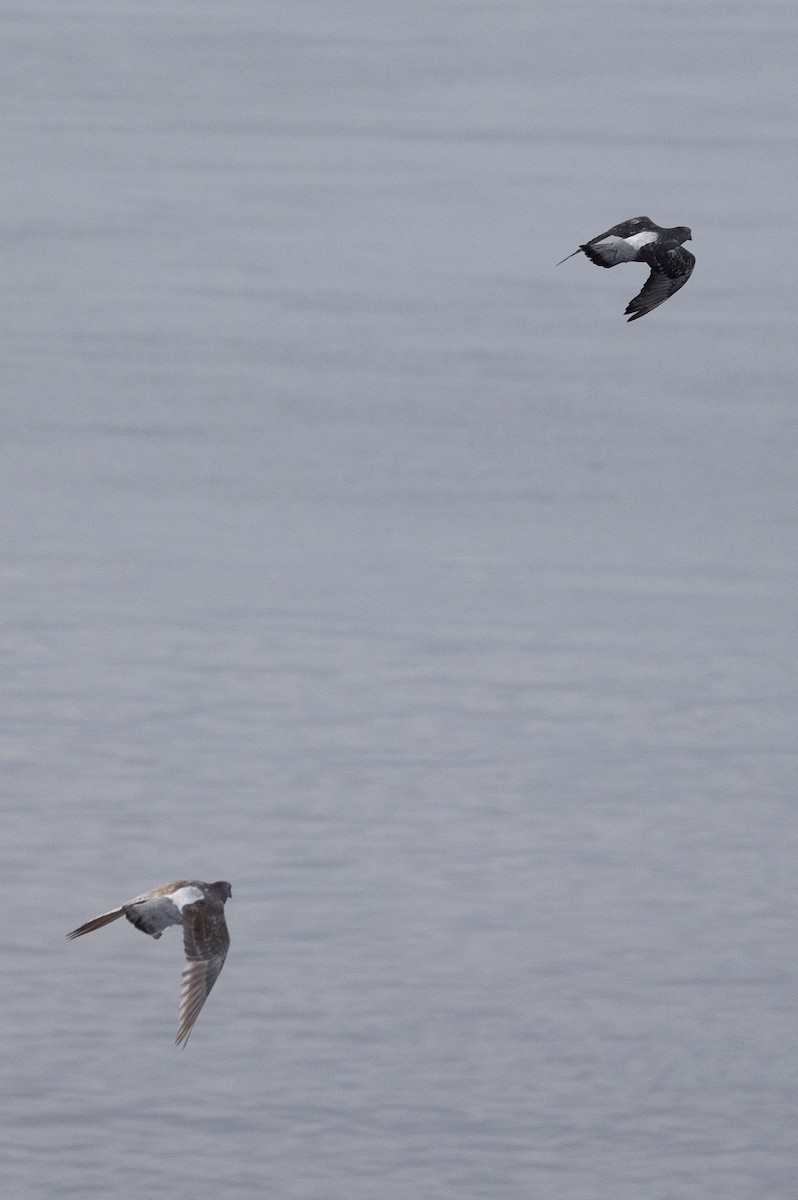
355,553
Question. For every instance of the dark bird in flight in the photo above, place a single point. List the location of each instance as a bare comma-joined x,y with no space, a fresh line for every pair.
641,240
199,908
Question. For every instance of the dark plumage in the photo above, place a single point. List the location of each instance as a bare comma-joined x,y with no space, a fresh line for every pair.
642,240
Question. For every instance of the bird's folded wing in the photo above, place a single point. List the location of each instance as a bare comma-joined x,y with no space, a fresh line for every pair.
152,914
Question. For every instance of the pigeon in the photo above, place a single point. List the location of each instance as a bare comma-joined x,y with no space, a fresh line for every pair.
199,908
641,240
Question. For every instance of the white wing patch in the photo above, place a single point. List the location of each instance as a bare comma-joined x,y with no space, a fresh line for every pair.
613,250
610,243
642,239
186,895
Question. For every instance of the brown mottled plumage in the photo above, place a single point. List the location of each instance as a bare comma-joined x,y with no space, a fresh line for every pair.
199,908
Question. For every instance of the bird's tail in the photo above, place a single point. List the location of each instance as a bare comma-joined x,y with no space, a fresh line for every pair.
97,922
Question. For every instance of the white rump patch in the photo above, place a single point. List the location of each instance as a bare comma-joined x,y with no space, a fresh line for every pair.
186,895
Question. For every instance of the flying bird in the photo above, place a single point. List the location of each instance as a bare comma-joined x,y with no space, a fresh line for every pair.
641,240
199,908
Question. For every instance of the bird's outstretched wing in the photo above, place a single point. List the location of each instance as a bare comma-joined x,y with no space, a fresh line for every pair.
206,942
671,267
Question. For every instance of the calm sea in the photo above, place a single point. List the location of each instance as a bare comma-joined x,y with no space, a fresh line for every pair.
355,553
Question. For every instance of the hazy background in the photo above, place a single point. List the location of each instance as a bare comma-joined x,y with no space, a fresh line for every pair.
355,553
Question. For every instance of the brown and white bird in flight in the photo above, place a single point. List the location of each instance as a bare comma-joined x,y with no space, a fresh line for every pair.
199,908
